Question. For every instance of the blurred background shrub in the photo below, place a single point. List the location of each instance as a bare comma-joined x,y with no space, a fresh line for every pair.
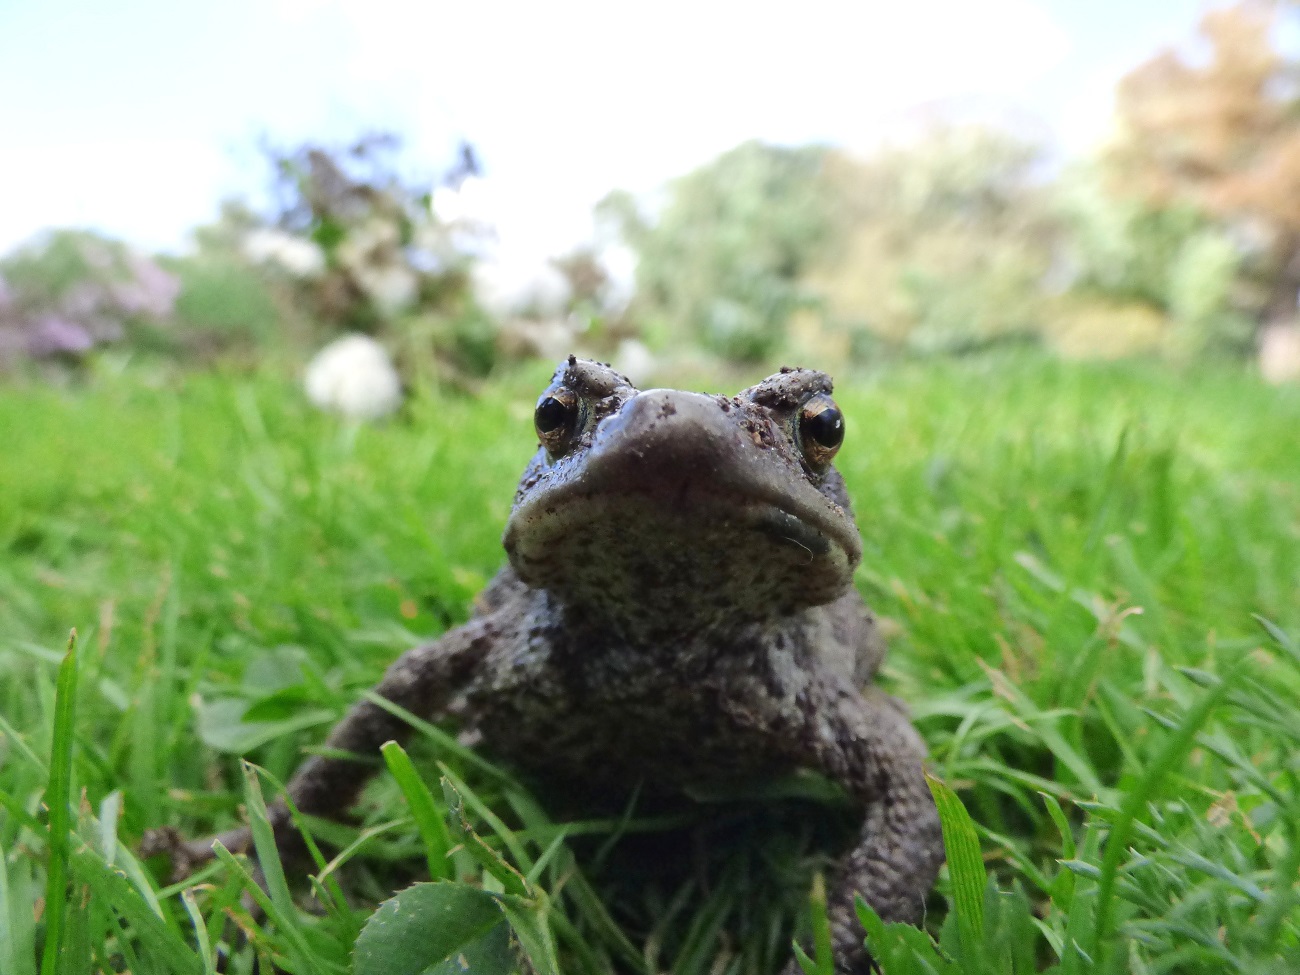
1178,237
70,292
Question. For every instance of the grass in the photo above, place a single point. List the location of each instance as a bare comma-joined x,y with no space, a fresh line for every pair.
1074,562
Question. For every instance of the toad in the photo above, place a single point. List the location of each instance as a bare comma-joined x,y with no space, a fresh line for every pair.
677,616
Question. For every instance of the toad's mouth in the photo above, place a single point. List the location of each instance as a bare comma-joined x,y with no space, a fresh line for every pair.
785,527
676,521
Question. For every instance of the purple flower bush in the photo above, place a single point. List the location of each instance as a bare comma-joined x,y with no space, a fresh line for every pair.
70,292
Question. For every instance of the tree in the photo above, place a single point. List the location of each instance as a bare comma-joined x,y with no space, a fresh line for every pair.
941,242
1221,132
1143,277
721,263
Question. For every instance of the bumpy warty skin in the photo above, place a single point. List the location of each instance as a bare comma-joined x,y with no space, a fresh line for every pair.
678,615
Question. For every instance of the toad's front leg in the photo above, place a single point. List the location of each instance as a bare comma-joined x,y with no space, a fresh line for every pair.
423,680
867,744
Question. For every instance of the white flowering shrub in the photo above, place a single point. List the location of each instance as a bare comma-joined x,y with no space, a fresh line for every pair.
361,239
296,256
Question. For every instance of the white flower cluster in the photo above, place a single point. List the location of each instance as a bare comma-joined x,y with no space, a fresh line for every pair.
299,257
373,253
354,376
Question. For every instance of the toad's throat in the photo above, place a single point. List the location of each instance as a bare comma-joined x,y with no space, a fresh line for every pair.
693,557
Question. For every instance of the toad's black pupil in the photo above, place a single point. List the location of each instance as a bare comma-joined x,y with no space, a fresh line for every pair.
551,415
826,427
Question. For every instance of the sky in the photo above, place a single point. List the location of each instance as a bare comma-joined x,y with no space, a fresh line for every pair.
136,118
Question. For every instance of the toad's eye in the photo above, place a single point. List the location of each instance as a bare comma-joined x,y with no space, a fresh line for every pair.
821,431
556,420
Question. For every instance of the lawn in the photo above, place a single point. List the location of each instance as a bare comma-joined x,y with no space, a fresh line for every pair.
1090,575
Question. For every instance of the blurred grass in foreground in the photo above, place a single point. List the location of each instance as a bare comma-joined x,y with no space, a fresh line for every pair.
1070,557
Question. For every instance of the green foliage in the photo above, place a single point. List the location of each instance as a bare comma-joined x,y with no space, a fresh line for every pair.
1172,258
351,244
427,926
1068,557
1118,246
225,300
951,240
1228,907
1202,282
720,266
937,245
428,819
943,242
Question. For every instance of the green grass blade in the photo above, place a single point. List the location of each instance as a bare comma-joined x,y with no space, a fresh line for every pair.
1280,637
578,889
20,745
430,823
528,920
285,922
17,926
268,852
554,851
823,960
1061,822
362,839
1166,760
204,943
111,889
443,740
58,800
1286,891
965,866
806,964
84,927
324,885
460,798
109,811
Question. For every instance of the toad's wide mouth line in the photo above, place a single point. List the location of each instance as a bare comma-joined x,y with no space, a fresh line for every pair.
786,527
816,532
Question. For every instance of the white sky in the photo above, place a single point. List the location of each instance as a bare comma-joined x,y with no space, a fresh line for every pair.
135,118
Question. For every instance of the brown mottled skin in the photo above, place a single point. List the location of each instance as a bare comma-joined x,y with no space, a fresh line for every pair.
678,616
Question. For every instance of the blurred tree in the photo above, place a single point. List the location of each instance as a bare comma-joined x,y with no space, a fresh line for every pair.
1219,130
721,264
1142,276
940,244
